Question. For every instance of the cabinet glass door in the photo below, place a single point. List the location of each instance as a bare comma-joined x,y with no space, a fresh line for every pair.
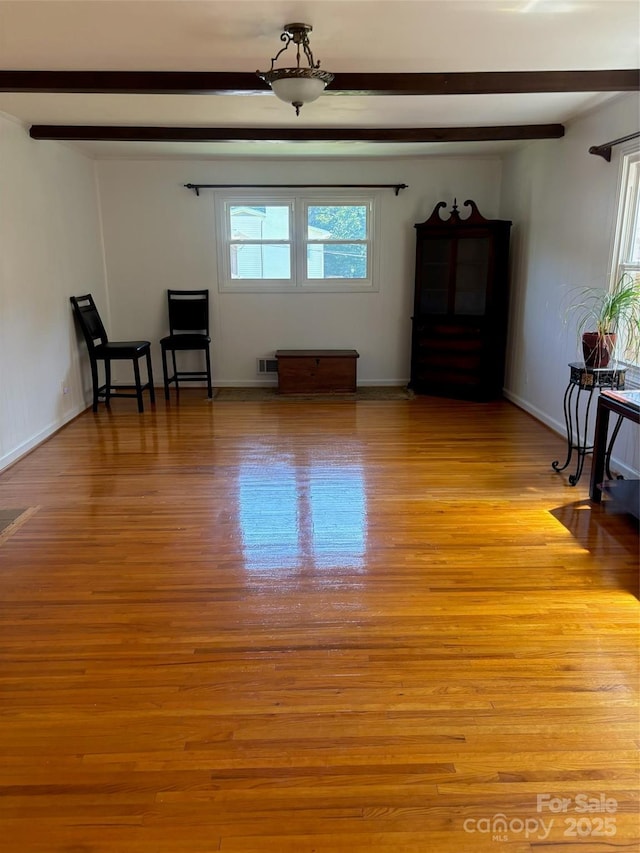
472,272
436,272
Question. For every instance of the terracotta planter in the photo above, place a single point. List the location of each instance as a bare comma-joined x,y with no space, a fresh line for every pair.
597,350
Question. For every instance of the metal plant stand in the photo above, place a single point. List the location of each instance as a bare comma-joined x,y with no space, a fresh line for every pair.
585,380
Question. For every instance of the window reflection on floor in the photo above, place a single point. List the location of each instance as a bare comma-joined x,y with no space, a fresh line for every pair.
338,516
294,516
268,515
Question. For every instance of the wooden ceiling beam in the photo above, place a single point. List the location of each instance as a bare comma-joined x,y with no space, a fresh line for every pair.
244,83
486,83
293,134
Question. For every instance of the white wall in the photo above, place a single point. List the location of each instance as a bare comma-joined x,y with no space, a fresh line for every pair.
50,249
563,203
159,235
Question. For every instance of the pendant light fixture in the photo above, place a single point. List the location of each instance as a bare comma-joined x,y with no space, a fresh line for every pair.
300,85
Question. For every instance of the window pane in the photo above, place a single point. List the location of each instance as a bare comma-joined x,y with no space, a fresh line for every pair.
337,222
260,260
259,222
342,260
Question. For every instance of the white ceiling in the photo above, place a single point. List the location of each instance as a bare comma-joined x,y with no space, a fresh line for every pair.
348,36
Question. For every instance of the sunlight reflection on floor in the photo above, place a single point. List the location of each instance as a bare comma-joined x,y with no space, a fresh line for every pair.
292,516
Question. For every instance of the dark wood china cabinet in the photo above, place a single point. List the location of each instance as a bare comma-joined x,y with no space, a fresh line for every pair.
460,305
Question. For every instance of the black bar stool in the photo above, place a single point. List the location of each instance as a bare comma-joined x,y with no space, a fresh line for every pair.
102,349
188,330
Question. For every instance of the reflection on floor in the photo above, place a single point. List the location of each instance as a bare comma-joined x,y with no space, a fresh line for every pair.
295,514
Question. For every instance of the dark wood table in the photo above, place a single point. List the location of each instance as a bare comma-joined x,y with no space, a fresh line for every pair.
625,404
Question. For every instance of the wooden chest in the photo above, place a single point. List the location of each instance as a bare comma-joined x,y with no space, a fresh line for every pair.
316,371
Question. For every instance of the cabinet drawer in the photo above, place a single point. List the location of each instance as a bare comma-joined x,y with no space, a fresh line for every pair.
316,371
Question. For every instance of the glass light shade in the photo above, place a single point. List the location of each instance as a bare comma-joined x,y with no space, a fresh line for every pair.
298,89
296,86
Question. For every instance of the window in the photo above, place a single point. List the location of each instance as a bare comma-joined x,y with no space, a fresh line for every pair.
295,243
626,252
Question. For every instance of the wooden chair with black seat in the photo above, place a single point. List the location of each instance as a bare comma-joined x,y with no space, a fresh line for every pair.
188,330
102,349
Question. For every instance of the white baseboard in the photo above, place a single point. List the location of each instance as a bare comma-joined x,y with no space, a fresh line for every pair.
271,383
556,426
27,446
383,383
616,464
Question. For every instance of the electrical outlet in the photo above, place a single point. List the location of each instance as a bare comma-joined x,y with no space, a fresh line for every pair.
65,388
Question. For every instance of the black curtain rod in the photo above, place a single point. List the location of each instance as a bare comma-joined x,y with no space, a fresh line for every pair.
198,187
605,150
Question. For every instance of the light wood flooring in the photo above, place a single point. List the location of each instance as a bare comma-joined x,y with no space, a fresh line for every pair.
314,627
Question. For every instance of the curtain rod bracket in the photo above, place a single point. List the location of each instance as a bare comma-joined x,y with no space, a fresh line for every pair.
604,150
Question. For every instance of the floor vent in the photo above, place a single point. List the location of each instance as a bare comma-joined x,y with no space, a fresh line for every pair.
267,365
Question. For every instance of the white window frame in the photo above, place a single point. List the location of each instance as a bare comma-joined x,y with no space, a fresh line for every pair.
299,203
625,227
628,213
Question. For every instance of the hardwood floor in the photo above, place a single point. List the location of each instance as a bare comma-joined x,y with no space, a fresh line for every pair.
314,627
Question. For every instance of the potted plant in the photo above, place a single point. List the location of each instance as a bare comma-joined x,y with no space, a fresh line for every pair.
608,321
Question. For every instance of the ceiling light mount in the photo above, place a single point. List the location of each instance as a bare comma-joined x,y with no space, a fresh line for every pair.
300,85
